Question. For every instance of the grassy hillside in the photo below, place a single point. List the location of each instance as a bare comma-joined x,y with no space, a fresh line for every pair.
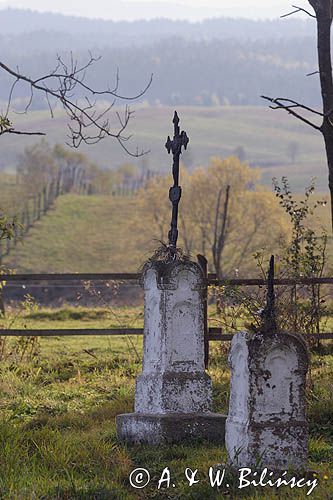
82,234
92,234
263,133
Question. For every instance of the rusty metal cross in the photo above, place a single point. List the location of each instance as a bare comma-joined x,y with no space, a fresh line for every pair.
180,140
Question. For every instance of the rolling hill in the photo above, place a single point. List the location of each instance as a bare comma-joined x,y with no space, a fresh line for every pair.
264,135
93,234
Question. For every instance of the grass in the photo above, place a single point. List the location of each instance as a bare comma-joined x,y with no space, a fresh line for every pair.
68,317
76,316
95,233
57,421
58,435
83,233
263,133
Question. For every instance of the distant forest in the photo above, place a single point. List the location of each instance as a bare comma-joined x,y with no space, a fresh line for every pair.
214,62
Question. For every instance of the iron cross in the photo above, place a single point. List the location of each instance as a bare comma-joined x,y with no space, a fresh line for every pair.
180,140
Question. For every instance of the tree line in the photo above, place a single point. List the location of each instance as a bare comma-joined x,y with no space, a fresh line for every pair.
20,25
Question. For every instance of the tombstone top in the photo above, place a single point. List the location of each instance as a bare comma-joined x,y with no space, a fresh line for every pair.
168,274
260,344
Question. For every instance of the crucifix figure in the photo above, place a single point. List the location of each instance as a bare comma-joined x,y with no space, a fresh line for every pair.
180,140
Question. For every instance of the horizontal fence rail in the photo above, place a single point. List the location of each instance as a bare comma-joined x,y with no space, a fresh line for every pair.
214,333
211,280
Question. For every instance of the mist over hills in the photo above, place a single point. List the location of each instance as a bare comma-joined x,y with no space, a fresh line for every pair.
214,63
115,33
218,61
215,67
185,72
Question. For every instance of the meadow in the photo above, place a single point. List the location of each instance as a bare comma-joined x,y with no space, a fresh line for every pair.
98,234
103,240
58,406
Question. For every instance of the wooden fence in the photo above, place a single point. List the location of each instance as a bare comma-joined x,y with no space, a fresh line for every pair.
129,187
213,334
67,179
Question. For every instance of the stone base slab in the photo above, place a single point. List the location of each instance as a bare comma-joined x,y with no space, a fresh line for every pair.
145,428
173,392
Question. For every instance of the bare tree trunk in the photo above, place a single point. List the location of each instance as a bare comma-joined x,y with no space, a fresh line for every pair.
220,236
323,15
220,232
323,10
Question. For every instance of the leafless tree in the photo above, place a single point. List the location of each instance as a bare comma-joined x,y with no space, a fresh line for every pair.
220,230
88,120
323,13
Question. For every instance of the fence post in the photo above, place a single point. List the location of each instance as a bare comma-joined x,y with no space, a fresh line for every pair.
15,235
44,199
39,196
202,261
27,216
58,184
51,192
34,214
23,224
2,303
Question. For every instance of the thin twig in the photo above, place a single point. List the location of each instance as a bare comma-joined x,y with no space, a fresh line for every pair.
298,9
81,117
288,108
313,73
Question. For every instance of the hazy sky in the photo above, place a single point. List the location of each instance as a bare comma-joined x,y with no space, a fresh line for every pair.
135,9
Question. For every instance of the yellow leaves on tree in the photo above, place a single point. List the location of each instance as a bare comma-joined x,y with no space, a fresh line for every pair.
224,214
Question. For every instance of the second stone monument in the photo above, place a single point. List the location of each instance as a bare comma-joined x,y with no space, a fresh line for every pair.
267,425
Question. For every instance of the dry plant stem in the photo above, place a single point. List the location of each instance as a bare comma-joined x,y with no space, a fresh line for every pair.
94,293
167,253
87,123
299,308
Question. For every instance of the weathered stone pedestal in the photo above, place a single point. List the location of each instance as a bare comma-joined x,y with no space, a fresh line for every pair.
266,424
173,392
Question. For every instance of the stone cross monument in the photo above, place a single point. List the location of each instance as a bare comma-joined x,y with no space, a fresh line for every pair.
173,393
266,424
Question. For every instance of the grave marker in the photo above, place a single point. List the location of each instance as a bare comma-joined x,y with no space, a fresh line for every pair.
173,393
267,424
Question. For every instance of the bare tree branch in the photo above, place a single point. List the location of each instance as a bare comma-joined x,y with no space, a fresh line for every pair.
86,124
313,73
289,107
19,132
298,9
